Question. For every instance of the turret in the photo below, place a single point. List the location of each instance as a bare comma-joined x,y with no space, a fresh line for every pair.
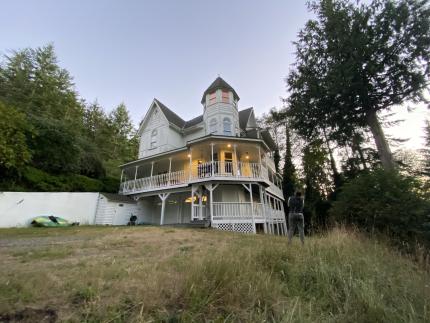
220,114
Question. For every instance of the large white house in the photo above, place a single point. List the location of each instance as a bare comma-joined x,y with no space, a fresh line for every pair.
216,168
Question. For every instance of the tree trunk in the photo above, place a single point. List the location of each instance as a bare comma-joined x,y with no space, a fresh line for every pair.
356,147
336,175
382,146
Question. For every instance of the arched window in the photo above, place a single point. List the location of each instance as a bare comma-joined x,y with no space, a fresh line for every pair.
226,125
213,126
154,138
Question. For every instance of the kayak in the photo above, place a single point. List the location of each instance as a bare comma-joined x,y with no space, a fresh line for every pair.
50,221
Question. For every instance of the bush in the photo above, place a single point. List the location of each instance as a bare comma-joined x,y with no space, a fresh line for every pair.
385,202
38,180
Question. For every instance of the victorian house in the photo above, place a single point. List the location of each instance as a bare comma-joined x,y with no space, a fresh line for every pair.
215,169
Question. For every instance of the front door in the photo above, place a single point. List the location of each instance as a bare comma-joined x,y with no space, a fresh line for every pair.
228,162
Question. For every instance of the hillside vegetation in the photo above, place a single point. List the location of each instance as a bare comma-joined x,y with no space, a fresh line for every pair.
100,274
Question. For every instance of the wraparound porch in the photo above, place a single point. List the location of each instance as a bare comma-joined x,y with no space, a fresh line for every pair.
240,207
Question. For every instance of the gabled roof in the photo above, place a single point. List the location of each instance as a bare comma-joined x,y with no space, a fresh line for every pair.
244,117
218,84
194,121
171,116
265,135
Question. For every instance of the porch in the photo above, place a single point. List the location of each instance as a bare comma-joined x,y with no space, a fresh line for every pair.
234,207
218,160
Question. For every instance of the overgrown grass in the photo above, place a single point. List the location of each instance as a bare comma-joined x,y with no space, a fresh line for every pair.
143,274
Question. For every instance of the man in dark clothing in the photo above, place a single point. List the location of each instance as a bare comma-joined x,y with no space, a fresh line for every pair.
295,216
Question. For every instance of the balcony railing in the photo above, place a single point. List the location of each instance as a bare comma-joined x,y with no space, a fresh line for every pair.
216,169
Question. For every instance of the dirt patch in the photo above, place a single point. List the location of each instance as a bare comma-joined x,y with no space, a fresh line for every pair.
45,315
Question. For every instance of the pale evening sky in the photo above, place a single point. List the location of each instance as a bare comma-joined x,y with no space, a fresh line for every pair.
133,51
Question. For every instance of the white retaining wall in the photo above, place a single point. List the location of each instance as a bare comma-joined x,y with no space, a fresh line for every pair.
18,208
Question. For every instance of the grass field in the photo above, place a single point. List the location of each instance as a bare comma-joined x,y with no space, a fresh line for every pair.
141,274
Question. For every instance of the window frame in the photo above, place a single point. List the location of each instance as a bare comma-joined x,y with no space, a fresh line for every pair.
213,126
226,121
153,142
212,98
225,96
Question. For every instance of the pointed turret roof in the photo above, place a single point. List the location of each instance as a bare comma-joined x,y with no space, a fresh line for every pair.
219,83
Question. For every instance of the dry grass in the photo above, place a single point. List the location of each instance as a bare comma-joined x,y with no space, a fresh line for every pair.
140,274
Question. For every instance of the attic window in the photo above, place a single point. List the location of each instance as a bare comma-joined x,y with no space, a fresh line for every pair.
226,124
154,138
213,126
212,98
225,96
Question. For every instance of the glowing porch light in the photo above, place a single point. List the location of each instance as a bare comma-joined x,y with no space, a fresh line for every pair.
194,199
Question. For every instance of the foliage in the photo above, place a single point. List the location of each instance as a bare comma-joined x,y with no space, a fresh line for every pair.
386,202
37,180
14,152
48,127
317,184
356,60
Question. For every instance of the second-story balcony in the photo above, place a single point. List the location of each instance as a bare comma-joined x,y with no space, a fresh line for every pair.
196,165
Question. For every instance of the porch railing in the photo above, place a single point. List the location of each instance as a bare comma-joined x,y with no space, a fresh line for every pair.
242,170
154,182
228,169
234,210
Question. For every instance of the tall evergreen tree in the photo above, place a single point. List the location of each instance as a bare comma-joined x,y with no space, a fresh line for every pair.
354,61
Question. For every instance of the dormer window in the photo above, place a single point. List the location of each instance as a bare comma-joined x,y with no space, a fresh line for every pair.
212,98
226,124
225,96
213,126
154,139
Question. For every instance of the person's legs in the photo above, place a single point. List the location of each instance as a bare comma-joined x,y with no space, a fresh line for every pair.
301,226
290,227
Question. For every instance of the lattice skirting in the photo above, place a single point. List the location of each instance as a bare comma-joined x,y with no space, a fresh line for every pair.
235,227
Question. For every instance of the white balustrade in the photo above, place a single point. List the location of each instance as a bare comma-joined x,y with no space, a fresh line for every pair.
231,170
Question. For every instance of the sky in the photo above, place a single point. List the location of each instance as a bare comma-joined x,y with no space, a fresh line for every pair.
134,51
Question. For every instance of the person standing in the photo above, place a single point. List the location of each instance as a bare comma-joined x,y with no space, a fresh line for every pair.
295,217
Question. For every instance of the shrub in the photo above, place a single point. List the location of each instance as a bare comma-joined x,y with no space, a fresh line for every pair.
386,202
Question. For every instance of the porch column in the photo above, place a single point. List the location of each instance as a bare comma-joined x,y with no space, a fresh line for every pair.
263,207
152,171
249,189
212,159
211,188
200,194
163,197
135,177
285,219
170,169
236,161
259,160
192,202
269,210
190,157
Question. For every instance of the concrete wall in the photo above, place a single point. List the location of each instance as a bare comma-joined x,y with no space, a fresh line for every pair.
18,208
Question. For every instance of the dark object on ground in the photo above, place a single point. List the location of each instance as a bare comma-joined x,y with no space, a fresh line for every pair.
51,221
132,221
28,314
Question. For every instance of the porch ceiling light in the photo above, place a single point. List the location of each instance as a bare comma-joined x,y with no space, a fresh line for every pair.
189,155
229,145
247,155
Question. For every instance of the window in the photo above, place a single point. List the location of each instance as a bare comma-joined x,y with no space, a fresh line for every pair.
154,138
213,126
212,98
226,123
225,96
